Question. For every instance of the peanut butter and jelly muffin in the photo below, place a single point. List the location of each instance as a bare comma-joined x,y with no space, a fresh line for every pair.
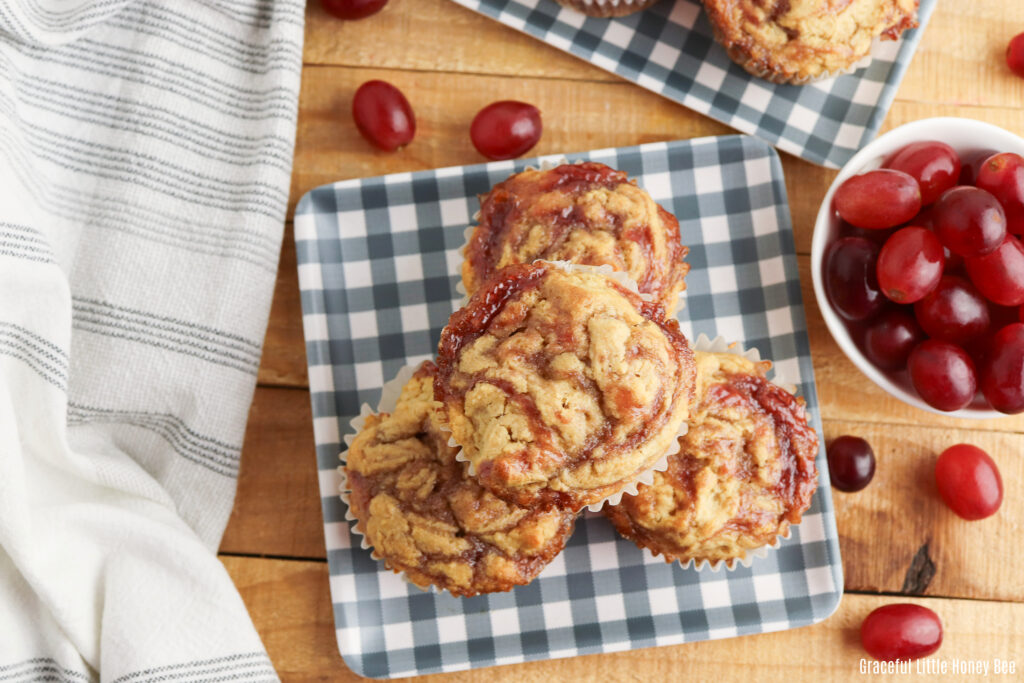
562,385
583,213
745,471
798,41
422,514
607,8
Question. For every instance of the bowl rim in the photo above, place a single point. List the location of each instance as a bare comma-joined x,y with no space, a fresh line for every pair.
869,157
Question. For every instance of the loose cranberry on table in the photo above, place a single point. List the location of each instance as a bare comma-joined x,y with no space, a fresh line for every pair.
1003,176
890,338
851,463
1015,55
850,281
969,482
999,276
1002,374
969,221
910,265
934,165
878,199
353,9
954,311
506,130
901,631
942,374
383,115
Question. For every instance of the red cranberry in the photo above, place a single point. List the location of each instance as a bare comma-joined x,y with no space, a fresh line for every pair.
353,9
506,130
901,631
1002,375
851,463
1015,55
969,481
383,115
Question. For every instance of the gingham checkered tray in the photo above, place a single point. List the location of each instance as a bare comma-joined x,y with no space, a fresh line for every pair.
668,48
378,263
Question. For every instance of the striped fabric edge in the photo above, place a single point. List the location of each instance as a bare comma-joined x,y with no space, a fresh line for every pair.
216,456
43,357
43,669
249,666
225,348
24,242
32,20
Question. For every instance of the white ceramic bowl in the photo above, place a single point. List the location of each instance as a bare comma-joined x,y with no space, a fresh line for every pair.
963,135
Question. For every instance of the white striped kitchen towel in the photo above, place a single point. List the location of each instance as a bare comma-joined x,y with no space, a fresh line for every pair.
145,155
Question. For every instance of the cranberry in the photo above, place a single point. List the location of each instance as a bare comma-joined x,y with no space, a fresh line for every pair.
850,280
878,199
942,374
934,165
353,9
506,130
383,115
1002,375
1003,176
999,276
969,221
910,265
901,631
890,338
969,481
1015,55
851,463
954,311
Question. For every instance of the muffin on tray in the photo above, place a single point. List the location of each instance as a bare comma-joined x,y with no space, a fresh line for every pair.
424,517
799,41
607,8
562,385
745,471
584,213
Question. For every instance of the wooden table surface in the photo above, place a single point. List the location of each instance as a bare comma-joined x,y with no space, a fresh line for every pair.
897,538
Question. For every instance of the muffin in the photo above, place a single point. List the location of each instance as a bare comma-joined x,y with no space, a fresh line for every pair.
583,213
561,385
798,41
607,8
744,473
423,515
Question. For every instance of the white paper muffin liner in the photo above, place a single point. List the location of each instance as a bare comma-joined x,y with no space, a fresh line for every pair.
720,345
607,8
389,395
646,476
545,165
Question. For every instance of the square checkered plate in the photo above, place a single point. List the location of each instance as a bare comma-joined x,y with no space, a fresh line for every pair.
378,263
669,48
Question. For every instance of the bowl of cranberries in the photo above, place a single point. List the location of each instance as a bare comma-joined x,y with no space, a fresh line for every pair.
918,265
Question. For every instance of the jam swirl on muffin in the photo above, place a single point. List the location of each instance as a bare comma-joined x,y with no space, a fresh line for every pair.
585,213
561,385
745,472
426,518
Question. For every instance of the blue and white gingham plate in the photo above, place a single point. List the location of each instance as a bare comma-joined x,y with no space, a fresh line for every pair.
669,48
378,263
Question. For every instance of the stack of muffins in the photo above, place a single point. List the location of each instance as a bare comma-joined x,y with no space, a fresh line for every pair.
562,384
